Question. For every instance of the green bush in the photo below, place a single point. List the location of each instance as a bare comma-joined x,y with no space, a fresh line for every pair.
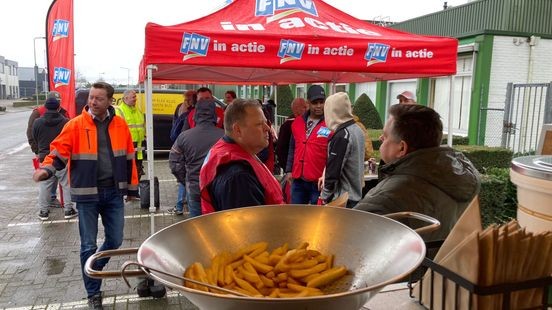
367,113
376,133
498,197
285,97
485,157
456,140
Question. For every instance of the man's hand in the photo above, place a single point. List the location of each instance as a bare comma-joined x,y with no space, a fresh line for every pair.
320,183
288,177
40,175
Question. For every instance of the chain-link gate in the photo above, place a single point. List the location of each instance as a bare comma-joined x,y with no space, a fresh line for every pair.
527,108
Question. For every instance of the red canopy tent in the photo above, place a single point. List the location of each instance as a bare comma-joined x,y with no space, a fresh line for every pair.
283,42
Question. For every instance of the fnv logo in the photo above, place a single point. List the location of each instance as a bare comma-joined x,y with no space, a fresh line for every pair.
376,53
287,7
290,50
61,76
323,132
194,45
60,29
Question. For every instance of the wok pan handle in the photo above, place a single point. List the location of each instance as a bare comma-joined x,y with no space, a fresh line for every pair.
434,223
214,287
97,274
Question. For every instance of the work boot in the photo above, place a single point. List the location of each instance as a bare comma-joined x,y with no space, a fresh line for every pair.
95,302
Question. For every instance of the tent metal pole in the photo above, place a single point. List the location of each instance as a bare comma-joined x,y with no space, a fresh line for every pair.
451,111
149,144
276,105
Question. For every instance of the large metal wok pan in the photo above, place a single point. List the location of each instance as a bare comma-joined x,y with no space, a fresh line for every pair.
376,250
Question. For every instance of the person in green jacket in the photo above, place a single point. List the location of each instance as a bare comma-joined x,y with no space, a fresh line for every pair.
136,123
419,174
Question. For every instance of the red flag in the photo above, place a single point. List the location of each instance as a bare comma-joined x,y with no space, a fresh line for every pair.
61,58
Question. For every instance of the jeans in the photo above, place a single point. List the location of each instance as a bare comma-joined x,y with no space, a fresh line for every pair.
181,197
111,208
304,192
46,187
194,206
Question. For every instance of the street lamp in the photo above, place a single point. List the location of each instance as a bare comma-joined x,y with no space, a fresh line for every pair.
128,76
36,67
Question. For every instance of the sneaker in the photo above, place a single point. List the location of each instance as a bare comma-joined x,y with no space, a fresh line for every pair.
174,211
43,215
70,214
95,302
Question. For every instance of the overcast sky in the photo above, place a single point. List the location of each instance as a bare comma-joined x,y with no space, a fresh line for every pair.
109,34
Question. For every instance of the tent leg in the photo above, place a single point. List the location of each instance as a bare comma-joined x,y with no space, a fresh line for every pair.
149,144
451,111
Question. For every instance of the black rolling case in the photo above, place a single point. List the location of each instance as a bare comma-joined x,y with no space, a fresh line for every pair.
144,189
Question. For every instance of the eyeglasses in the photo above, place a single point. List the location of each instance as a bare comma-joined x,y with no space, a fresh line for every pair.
309,123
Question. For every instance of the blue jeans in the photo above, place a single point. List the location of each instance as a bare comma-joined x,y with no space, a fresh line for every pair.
181,197
111,209
194,206
304,192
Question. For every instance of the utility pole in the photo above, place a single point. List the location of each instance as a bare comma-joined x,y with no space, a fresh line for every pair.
128,76
36,67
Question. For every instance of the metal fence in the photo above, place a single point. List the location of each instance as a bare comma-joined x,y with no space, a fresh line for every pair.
493,130
527,108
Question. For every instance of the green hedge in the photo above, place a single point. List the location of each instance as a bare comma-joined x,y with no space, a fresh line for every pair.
485,157
285,97
498,197
376,133
366,111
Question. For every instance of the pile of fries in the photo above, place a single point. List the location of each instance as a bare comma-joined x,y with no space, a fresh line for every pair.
282,273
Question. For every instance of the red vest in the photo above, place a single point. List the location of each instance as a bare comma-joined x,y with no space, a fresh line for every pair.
222,153
220,117
311,152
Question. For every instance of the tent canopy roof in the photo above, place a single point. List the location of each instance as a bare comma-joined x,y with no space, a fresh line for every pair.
282,42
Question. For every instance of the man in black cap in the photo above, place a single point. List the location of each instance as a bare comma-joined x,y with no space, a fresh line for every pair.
45,130
35,114
308,149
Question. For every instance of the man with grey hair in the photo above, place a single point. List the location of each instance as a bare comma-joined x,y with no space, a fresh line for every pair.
136,123
232,176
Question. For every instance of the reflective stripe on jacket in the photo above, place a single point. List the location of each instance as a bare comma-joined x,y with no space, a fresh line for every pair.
136,123
222,153
77,147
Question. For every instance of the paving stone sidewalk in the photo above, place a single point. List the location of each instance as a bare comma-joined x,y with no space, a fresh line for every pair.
39,261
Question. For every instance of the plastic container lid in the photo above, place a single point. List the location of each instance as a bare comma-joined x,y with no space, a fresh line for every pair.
539,166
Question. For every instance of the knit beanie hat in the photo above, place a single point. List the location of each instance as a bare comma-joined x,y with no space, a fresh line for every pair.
51,104
337,110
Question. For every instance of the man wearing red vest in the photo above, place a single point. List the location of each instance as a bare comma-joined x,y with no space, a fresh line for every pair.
308,149
204,93
232,176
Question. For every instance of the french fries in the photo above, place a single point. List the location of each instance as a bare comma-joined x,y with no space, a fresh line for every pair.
257,272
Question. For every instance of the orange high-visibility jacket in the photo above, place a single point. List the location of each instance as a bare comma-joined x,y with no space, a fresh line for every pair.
76,146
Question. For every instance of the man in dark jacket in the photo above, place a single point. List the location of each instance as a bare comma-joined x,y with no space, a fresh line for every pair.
189,151
35,114
419,174
45,130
